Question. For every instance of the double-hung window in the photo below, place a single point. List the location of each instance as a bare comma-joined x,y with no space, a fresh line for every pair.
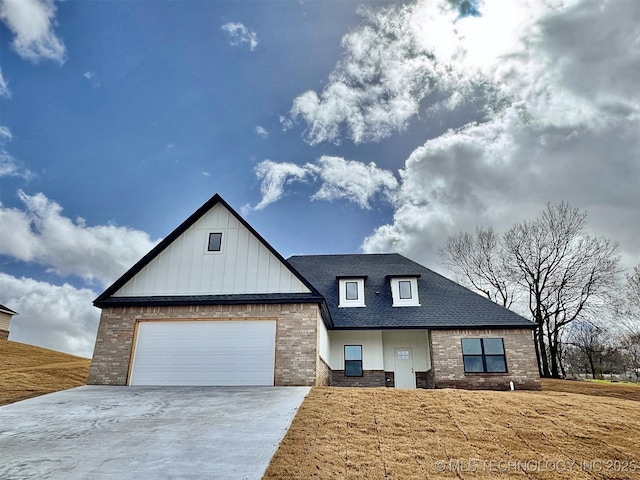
353,360
483,355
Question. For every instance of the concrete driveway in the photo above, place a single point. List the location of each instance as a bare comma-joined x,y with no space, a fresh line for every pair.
98,432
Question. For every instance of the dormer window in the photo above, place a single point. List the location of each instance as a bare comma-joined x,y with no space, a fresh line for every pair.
404,291
351,291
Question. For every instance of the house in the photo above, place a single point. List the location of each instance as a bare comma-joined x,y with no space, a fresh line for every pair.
5,320
215,304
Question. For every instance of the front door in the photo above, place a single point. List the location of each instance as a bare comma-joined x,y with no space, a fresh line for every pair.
404,374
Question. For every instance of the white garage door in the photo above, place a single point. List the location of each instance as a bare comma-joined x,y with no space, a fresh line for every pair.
204,353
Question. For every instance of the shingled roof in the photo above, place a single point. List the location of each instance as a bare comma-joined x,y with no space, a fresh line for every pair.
444,303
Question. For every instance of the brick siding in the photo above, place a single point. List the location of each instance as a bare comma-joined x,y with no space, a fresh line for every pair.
519,351
425,379
4,334
369,378
296,332
323,373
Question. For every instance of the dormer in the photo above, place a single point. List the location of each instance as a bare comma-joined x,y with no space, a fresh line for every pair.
351,291
404,290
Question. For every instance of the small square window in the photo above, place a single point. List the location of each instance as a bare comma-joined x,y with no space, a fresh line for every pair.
351,290
215,242
402,354
472,346
473,364
405,289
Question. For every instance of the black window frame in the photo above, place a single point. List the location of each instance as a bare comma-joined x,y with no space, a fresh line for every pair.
351,363
219,242
483,355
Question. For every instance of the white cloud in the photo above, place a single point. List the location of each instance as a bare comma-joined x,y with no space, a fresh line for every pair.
41,234
341,179
378,85
351,180
556,81
4,87
57,317
274,177
32,23
262,131
8,165
569,132
93,79
238,35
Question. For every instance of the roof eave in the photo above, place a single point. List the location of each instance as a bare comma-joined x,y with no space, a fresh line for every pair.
205,300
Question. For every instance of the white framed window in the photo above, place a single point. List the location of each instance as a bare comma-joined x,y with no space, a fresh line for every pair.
214,242
351,292
404,291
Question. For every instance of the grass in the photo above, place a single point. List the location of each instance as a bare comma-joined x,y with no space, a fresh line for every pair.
629,391
406,434
27,371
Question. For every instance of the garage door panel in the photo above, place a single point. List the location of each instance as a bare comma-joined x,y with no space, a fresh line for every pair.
204,353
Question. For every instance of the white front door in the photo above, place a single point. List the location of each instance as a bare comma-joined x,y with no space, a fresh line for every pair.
404,375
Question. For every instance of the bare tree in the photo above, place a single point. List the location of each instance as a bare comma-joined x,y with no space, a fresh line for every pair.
564,274
629,316
587,338
479,262
631,302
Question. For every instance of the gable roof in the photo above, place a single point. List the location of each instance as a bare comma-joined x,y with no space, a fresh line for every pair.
444,303
107,298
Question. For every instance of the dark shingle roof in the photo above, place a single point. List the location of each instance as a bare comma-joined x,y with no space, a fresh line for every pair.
444,303
234,299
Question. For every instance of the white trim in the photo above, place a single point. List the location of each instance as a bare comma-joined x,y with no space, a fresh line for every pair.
414,301
342,286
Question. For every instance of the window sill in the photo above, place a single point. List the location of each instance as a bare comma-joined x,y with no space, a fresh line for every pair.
487,374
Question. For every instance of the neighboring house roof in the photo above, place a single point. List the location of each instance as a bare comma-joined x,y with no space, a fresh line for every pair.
4,309
107,298
443,303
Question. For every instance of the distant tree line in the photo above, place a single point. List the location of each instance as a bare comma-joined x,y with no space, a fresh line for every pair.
568,282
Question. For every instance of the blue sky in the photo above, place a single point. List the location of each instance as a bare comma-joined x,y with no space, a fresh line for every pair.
333,127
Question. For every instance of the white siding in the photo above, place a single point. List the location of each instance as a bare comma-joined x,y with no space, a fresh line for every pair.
244,264
323,341
417,340
371,341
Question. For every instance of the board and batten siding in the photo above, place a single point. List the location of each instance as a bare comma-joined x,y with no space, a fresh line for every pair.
371,341
185,267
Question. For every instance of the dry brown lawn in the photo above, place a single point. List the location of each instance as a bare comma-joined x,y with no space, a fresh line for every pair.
629,391
27,371
422,434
